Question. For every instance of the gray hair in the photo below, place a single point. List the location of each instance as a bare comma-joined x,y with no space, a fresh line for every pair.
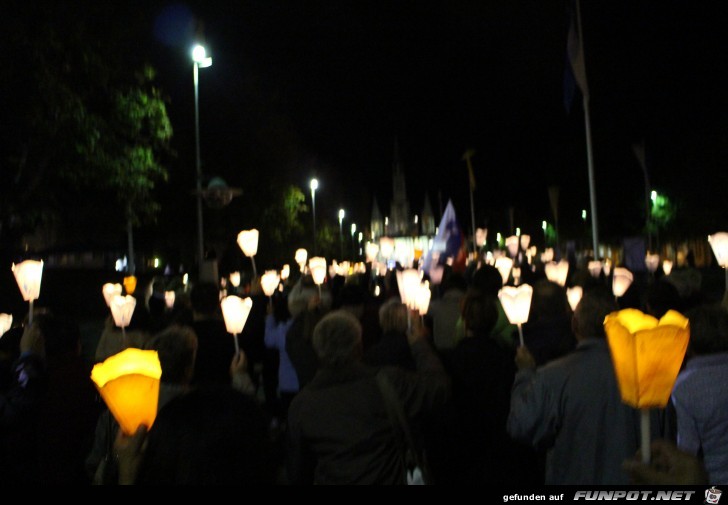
393,316
337,339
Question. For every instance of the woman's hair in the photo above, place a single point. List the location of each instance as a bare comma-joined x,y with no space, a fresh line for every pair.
337,339
708,329
479,312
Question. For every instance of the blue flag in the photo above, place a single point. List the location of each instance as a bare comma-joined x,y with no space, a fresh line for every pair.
449,243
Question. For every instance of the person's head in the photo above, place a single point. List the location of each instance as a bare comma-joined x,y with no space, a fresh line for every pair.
302,293
479,312
208,436
393,316
548,301
205,298
337,339
708,329
661,297
352,297
588,320
177,349
488,280
453,281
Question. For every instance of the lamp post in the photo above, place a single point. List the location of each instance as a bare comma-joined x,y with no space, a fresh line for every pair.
353,242
199,60
314,187
341,232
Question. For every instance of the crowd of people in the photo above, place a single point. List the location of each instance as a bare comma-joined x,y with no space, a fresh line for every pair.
333,384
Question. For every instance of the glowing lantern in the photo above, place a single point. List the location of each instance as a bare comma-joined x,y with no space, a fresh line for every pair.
317,266
647,355
371,250
386,247
130,283
28,275
557,271
512,244
110,290
574,296
548,255
667,267
607,266
269,282
525,241
128,382
621,281
504,265
423,298
235,279
652,261
408,282
122,309
719,244
301,257
169,297
235,311
248,242
285,272
516,302
6,322
516,272
595,268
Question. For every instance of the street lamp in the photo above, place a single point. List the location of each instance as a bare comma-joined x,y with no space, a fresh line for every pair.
200,60
353,244
314,187
341,233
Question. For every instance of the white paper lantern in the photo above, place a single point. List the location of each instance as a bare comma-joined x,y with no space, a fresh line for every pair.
595,268
122,309
504,265
386,247
235,279
269,282
301,257
6,322
667,267
719,244
110,290
169,298
28,275
512,244
235,311
574,296
557,271
516,302
408,283
248,242
285,272
621,281
423,298
317,267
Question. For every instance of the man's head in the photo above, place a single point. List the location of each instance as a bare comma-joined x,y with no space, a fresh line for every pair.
593,308
393,316
177,348
708,329
337,339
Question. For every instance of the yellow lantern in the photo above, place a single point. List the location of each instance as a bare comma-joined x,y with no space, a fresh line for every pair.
504,265
516,302
557,271
28,275
301,256
574,296
6,322
110,290
621,281
130,283
248,242
269,282
128,382
235,311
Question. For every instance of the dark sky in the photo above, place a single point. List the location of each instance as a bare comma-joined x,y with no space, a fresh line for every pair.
322,88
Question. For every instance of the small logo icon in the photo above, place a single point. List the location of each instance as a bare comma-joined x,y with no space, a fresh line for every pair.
712,496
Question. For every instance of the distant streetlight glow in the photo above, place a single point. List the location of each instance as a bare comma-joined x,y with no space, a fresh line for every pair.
314,187
200,60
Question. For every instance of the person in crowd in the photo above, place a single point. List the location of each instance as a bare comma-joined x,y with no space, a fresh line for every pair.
393,348
444,310
547,333
209,436
339,431
113,339
667,466
700,393
215,346
661,296
277,323
572,406
307,306
468,441
487,279
353,296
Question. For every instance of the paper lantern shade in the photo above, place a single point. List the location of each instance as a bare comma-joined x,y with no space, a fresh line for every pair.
719,244
504,266
235,279
317,266
235,311
422,300
667,267
371,250
621,281
122,309
248,242
647,354
128,382
595,268
408,283
269,282
574,296
130,283
169,298
28,275
557,271
652,262
480,236
516,302
525,241
301,256
386,247
110,290
285,272
6,322
512,244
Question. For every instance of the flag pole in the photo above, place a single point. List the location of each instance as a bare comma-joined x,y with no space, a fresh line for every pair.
469,154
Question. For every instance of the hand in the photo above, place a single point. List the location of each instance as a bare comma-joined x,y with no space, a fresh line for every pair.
32,340
239,364
668,466
417,330
129,450
524,358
